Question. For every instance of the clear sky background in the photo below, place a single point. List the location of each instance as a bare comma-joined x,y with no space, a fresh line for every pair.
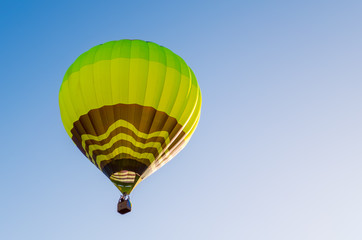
278,151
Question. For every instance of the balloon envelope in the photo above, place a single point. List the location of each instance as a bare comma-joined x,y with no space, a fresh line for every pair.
129,106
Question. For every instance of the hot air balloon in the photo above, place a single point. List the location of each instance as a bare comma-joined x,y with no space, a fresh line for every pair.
129,106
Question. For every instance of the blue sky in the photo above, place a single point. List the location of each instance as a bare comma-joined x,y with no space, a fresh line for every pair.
277,154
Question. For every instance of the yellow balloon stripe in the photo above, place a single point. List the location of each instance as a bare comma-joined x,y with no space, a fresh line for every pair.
126,137
121,150
123,123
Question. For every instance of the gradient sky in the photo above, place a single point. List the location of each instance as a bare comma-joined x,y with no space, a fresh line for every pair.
277,154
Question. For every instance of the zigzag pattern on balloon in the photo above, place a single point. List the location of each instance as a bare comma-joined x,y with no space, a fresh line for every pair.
120,137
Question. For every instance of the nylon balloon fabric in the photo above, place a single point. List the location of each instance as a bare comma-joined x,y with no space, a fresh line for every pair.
129,106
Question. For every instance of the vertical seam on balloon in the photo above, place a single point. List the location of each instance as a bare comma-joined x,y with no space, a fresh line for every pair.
160,97
104,86
198,98
178,115
145,92
183,126
62,105
151,167
198,112
90,120
135,95
197,119
177,134
83,103
178,87
129,80
168,156
70,123
95,95
72,106
107,120
165,149
172,107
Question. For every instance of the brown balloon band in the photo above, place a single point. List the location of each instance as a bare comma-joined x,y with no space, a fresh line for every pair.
124,130
128,144
126,137
117,165
146,120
